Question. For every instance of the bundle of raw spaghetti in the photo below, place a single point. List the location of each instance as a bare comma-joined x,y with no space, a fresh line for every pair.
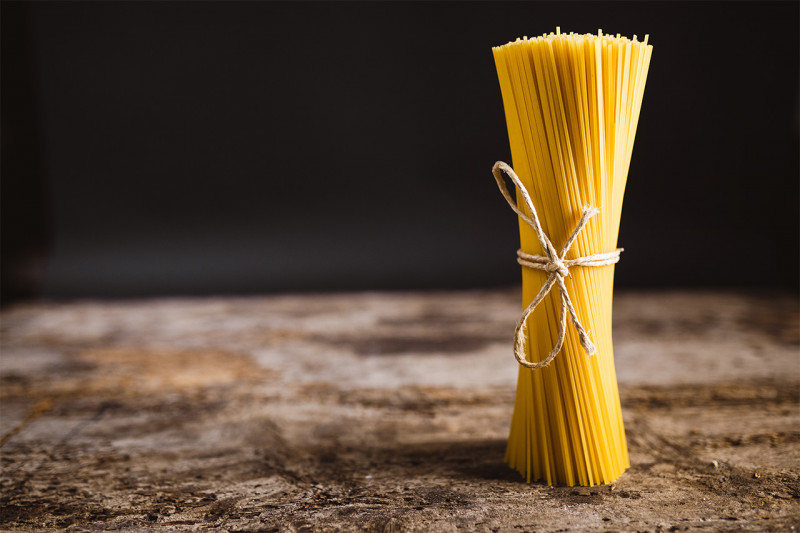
572,104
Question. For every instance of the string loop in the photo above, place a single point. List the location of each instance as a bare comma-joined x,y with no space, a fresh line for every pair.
555,264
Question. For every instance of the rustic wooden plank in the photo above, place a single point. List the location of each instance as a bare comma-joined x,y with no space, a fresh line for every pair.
382,411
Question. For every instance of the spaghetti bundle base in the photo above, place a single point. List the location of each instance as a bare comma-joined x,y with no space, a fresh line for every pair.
572,105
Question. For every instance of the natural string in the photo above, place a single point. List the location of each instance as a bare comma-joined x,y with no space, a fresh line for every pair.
553,262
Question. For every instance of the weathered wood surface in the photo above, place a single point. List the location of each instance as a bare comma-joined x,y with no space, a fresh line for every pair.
383,412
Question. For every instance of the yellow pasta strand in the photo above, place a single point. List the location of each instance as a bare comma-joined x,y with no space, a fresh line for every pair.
572,105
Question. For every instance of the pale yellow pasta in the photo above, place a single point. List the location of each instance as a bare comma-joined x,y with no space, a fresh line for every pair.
572,104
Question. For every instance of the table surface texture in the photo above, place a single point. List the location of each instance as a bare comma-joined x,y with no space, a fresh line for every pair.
383,412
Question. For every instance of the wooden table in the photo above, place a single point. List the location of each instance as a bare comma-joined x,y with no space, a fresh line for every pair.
383,411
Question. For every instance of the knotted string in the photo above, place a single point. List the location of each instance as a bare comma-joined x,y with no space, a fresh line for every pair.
555,264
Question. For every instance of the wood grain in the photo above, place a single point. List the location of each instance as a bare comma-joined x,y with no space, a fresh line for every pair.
383,411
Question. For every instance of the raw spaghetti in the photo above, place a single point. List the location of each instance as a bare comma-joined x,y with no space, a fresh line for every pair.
572,105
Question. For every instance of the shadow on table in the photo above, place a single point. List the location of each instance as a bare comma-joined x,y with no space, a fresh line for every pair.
462,460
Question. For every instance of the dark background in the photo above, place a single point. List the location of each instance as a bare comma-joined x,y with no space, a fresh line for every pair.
224,147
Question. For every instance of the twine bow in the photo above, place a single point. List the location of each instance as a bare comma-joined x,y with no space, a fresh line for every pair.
555,264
